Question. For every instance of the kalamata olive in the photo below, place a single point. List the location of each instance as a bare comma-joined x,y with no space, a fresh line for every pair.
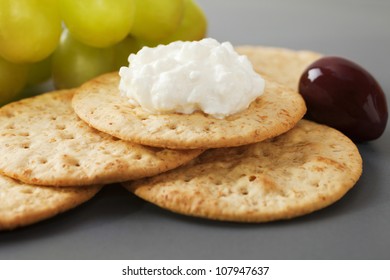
343,95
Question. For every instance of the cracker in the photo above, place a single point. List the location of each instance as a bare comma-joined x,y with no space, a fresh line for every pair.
284,66
98,102
22,204
301,171
43,142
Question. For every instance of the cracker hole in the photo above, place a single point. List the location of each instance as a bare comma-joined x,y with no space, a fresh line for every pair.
42,161
67,136
266,153
252,178
25,146
60,126
25,134
244,191
9,114
53,118
283,194
295,194
315,184
336,148
10,126
137,157
27,191
172,126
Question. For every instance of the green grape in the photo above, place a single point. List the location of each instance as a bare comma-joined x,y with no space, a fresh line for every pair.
156,19
29,29
39,72
147,43
13,78
98,23
193,26
74,63
122,51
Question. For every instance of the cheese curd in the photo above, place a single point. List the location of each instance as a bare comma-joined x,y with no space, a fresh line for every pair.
184,77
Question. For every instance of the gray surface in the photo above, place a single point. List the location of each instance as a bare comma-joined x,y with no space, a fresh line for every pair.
116,225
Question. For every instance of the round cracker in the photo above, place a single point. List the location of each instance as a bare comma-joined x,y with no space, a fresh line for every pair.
284,66
43,142
98,102
22,204
303,170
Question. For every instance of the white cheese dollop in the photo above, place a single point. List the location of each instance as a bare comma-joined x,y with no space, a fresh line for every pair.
184,77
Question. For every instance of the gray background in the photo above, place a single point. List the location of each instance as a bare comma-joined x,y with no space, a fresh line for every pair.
116,225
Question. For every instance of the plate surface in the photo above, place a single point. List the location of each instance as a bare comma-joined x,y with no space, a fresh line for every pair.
116,225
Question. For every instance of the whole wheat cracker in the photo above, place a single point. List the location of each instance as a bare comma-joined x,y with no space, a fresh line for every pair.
306,169
98,102
23,204
43,142
283,65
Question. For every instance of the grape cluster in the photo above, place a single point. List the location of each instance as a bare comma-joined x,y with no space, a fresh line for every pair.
71,41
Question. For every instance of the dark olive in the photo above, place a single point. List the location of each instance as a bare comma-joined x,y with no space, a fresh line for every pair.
343,95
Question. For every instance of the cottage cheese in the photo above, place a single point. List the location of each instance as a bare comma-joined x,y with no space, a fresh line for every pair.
184,77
